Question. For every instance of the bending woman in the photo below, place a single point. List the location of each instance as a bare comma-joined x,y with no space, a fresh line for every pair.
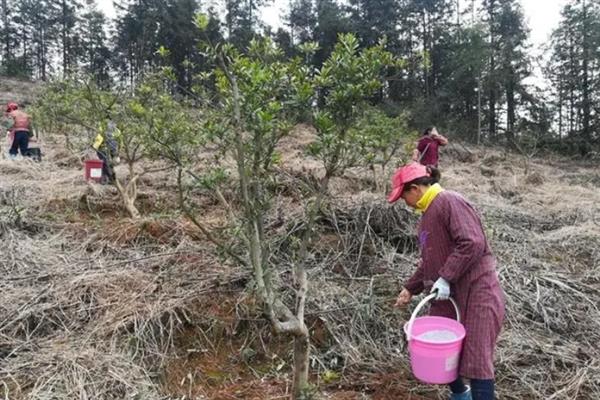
456,261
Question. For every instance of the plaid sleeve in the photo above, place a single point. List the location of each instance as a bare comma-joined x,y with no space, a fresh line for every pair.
415,284
466,232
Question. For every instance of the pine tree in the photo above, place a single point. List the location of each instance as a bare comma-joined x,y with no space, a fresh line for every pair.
178,34
302,21
5,34
374,19
136,38
459,80
331,22
492,10
513,62
242,21
31,23
66,19
575,70
94,51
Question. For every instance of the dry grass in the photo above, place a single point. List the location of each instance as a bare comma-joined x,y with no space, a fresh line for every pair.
21,91
97,306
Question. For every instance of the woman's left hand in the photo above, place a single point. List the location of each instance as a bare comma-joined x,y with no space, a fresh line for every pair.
403,298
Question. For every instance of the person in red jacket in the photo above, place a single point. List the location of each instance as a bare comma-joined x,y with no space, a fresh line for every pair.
427,152
19,129
456,261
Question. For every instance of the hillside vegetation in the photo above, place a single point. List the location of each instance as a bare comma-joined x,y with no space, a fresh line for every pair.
97,305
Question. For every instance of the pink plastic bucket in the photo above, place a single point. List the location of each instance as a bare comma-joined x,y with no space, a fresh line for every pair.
434,345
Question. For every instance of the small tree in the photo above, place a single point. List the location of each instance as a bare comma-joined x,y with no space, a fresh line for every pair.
145,119
154,127
344,83
258,95
380,139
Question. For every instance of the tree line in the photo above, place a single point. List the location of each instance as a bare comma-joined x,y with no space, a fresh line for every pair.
466,65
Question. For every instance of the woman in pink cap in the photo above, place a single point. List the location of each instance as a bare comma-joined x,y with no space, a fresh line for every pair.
456,261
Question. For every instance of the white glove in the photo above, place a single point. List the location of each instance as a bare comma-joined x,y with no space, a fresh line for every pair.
442,287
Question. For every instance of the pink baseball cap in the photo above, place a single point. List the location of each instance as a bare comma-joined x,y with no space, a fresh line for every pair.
403,175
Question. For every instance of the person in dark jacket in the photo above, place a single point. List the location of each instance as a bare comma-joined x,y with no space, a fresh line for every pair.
427,151
456,261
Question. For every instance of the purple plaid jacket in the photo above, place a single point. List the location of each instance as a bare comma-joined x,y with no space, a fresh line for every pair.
453,246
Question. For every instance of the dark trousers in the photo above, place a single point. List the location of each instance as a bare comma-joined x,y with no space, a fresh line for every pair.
20,143
107,172
481,389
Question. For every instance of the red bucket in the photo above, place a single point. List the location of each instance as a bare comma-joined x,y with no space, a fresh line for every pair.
93,170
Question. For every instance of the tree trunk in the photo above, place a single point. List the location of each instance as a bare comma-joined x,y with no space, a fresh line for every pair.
572,72
128,196
6,34
129,204
510,112
560,110
426,52
492,93
64,40
301,362
44,59
585,72
25,50
492,113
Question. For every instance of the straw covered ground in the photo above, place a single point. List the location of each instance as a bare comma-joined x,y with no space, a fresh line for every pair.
94,305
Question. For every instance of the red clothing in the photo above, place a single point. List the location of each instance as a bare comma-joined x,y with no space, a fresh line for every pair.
453,246
428,149
21,121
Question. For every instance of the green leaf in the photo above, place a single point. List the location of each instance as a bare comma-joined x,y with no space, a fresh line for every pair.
330,376
201,21
163,52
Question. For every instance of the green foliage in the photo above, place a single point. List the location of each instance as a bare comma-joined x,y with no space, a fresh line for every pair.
242,20
347,79
302,20
271,91
163,52
201,21
380,137
76,106
464,66
372,20
158,126
575,75
330,376
213,178
331,22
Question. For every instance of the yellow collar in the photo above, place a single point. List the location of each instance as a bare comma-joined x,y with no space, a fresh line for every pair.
428,197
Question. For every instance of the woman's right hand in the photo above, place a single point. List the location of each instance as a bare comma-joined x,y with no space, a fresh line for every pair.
403,298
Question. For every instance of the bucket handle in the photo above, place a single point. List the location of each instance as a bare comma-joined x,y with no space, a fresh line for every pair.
421,305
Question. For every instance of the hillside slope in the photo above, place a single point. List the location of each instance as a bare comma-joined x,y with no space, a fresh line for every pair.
17,90
95,305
